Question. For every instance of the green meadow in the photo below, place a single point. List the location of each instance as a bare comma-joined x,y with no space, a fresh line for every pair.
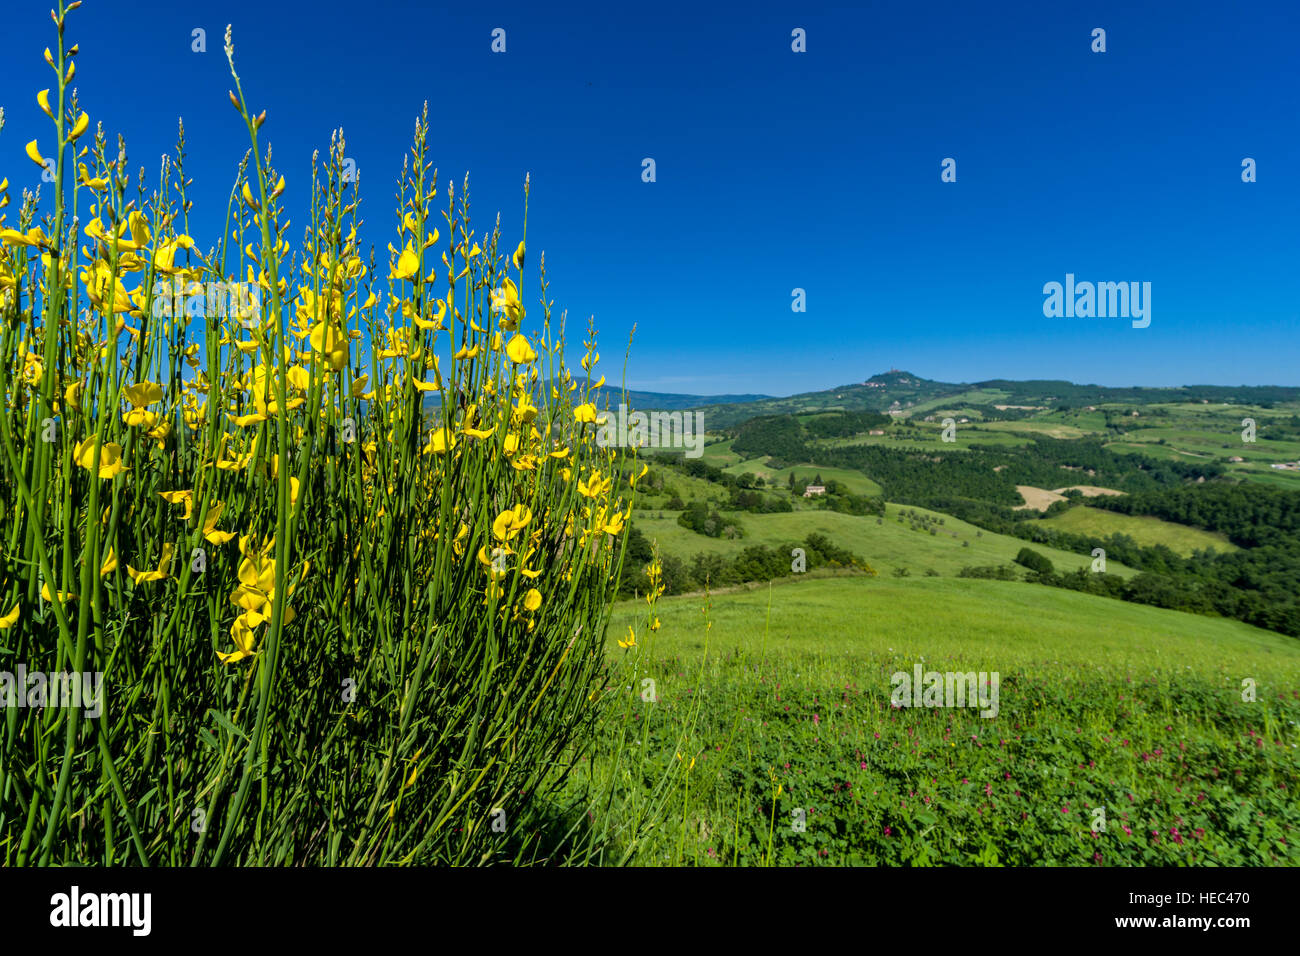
756,728
887,545
1146,530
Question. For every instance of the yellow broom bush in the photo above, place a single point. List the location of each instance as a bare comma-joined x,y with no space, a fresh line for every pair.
333,528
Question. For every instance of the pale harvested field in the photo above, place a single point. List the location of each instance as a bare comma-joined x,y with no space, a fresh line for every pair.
1040,499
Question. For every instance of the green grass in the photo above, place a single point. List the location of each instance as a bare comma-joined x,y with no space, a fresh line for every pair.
1147,531
988,624
974,396
885,546
1134,711
855,481
719,454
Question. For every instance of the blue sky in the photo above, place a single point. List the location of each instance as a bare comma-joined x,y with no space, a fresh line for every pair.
775,169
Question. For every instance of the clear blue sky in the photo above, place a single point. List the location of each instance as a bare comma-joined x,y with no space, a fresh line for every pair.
778,170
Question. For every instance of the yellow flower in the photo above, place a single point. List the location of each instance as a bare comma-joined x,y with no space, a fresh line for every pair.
82,124
524,411
143,394
408,263
110,563
242,634
164,259
462,535
64,596
299,378
332,343
595,486
164,560
33,371
494,563
210,524
506,301
9,620
613,525
532,599
631,640
509,523
243,421
439,442
34,154
110,457
96,182
520,352
179,497
141,417
585,413
33,237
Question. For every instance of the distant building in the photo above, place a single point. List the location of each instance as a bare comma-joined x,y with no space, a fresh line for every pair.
814,490
877,431
1287,466
1236,458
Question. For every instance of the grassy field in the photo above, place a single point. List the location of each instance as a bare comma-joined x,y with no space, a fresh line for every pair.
719,454
1144,529
855,481
764,730
886,546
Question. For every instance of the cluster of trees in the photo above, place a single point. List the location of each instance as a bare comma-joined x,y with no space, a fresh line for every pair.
994,572
1035,561
837,496
781,437
1067,394
1257,585
843,424
1250,515
971,479
698,517
785,438
754,563
741,499
851,504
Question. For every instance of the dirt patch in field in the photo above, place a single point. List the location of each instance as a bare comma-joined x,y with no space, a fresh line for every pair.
1040,499
1036,499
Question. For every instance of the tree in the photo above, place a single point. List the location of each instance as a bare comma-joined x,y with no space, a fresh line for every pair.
1034,561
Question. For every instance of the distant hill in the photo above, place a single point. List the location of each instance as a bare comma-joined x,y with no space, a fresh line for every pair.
610,396
901,393
671,401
